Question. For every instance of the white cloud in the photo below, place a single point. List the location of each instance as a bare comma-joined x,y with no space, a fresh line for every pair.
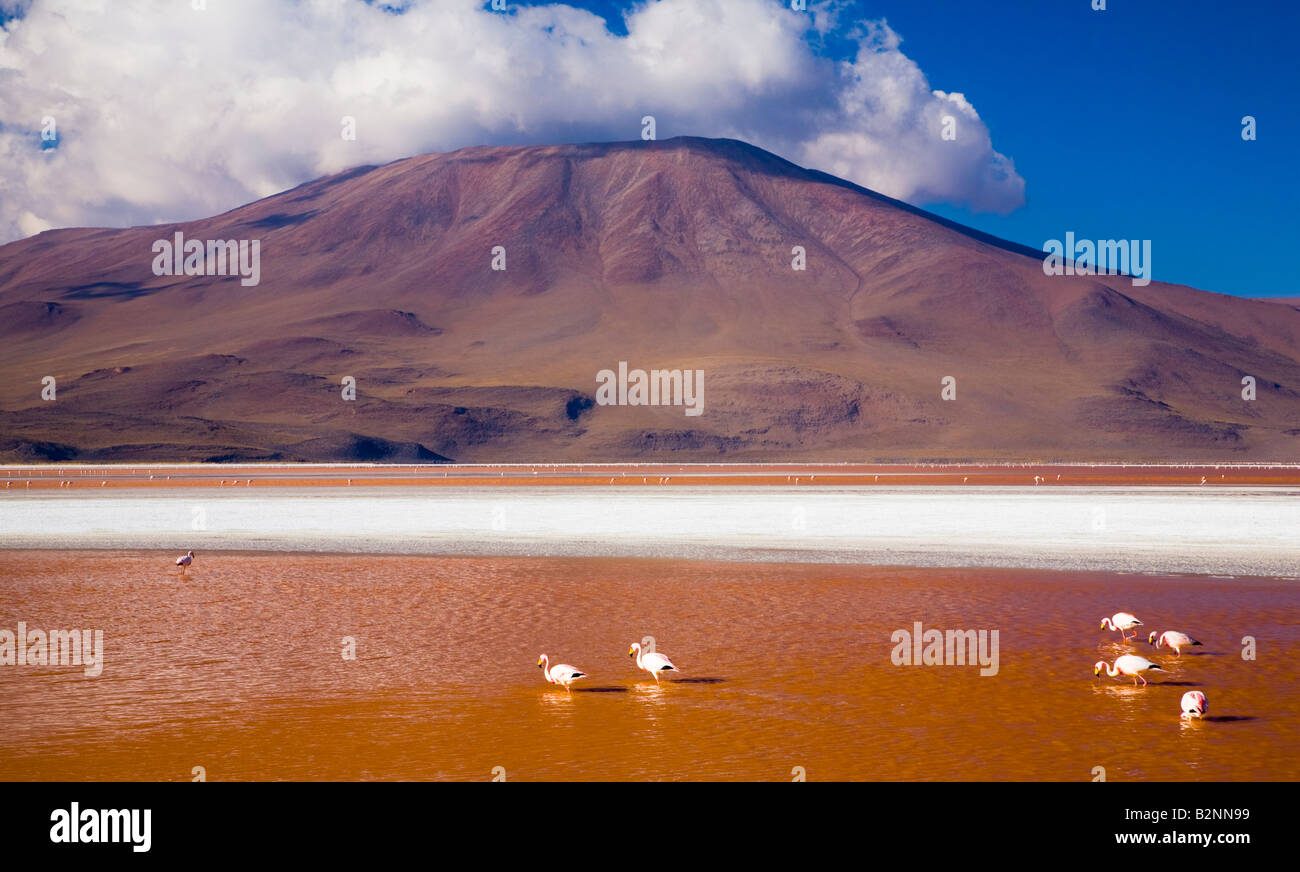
168,113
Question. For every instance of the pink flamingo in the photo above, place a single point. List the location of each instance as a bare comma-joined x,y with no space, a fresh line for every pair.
1194,704
652,662
561,673
1122,621
1173,639
1129,664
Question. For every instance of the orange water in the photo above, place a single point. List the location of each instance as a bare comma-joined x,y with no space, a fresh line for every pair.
237,668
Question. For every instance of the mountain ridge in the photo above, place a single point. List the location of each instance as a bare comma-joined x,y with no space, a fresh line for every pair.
671,254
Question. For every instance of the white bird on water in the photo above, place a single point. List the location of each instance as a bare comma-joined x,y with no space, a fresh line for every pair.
1122,621
1129,664
653,662
1173,639
1194,704
560,673
185,560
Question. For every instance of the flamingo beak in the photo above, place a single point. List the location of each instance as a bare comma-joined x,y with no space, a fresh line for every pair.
1096,672
631,652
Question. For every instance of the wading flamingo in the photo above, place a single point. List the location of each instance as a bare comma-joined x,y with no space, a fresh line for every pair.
654,662
1122,621
1173,639
561,673
1129,664
184,561
1194,704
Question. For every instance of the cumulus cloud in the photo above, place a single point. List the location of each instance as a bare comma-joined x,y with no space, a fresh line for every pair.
164,112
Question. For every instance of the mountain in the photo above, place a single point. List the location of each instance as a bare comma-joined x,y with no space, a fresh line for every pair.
670,254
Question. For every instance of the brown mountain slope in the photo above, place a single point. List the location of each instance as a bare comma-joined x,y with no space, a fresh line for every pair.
671,254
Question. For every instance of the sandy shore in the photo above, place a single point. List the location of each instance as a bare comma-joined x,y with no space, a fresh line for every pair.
1229,531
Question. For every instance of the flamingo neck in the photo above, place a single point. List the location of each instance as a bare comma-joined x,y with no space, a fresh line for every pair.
638,658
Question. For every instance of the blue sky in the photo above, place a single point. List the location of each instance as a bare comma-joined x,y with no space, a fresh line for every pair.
1127,122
